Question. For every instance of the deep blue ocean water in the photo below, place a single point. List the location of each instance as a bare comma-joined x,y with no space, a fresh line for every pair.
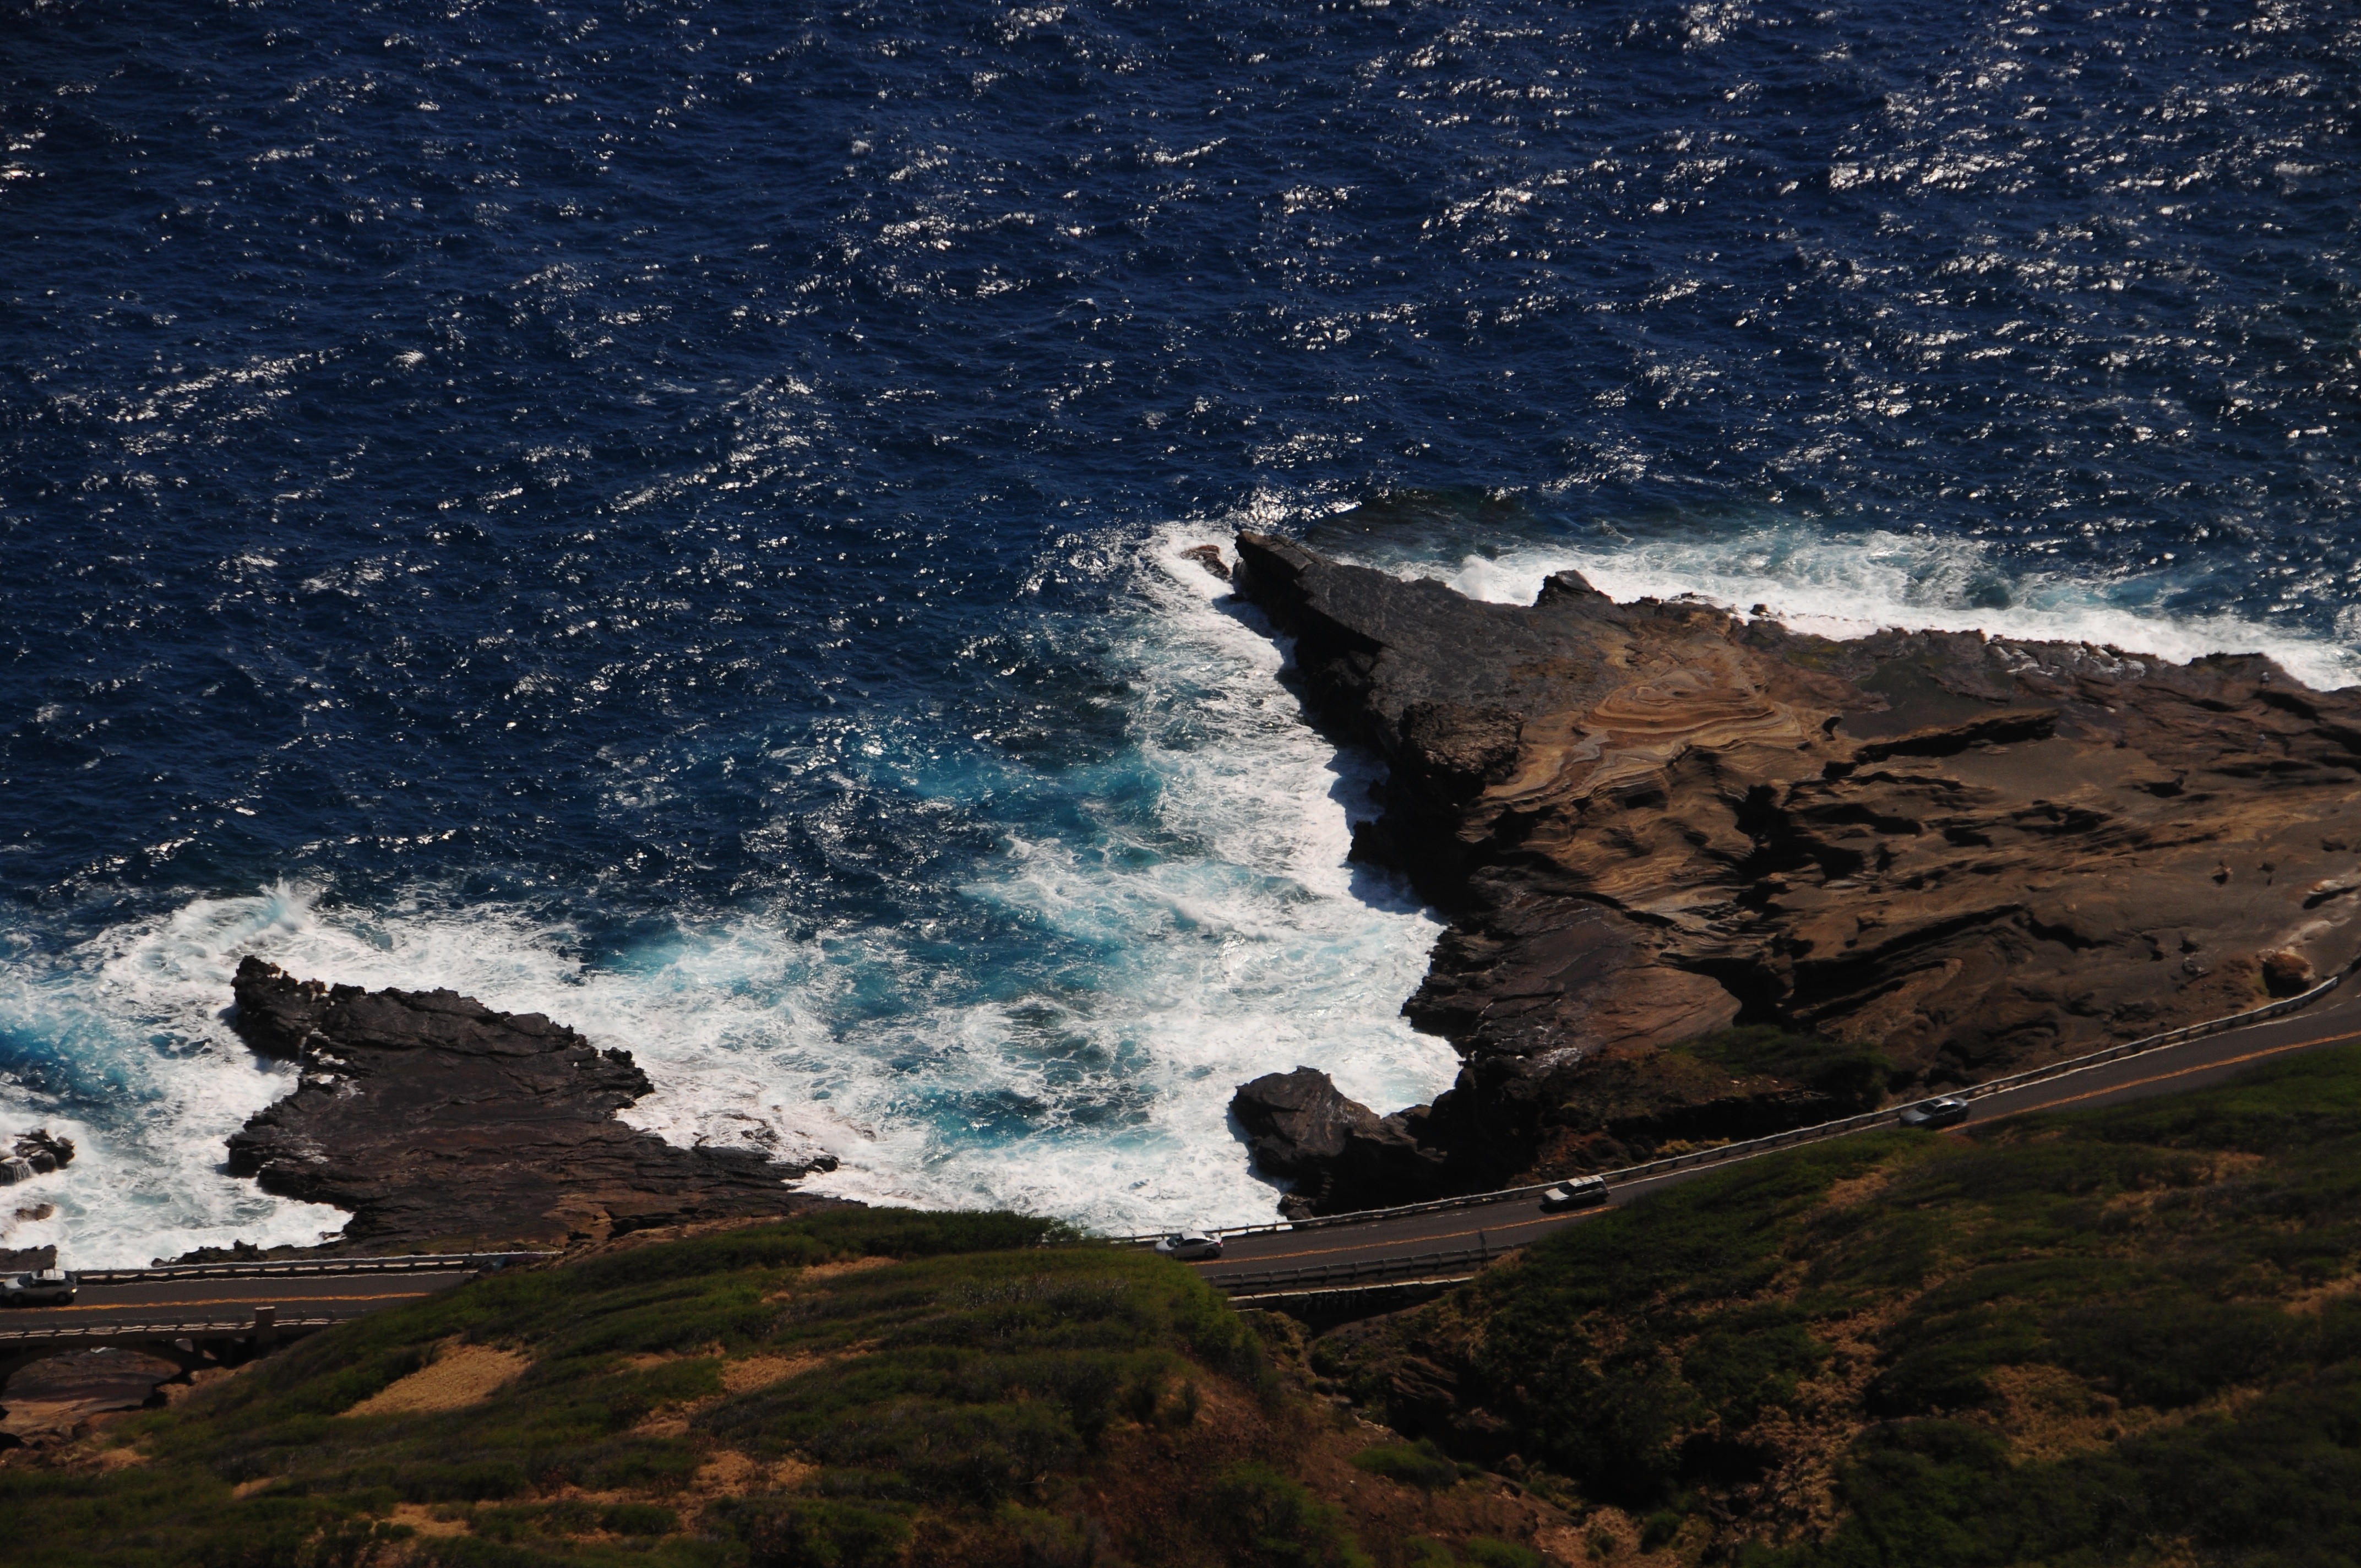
670,515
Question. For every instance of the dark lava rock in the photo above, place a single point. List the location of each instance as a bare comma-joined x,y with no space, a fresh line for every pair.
1210,557
1655,820
37,1152
44,1150
2286,974
1343,1155
437,1121
52,1401
1296,1121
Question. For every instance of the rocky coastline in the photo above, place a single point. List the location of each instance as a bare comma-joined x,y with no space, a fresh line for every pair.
1707,876
443,1124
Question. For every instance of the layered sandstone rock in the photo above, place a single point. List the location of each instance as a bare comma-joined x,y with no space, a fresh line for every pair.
435,1119
1651,821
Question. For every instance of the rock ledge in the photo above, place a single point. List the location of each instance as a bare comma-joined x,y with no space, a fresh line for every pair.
1655,822
441,1123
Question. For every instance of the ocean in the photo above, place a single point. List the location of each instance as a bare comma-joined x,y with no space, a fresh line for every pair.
671,515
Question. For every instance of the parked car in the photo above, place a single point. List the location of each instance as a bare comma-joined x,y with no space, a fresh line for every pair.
1583,1192
1189,1245
1947,1112
41,1287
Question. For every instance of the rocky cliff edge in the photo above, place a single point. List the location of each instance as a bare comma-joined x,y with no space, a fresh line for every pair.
1654,823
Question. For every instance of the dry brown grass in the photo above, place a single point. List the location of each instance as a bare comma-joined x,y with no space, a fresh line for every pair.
462,1376
427,1521
752,1372
727,1472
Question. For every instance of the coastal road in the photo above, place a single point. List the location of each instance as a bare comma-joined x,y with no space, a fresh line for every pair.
1514,1222
229,1303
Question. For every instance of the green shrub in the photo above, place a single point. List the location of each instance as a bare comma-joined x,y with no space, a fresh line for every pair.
1421,1465
639,1519
819,1532
1855,1077
1271,1521
1659,1527
1483,1552
2117,1249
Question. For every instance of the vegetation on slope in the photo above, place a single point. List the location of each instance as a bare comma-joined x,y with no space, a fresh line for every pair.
855,1388
1624,1107
2119,1336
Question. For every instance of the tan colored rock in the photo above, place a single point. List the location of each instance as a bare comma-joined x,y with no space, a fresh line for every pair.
1650,820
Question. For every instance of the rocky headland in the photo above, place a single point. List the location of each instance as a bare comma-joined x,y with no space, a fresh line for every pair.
441,1123
1705,873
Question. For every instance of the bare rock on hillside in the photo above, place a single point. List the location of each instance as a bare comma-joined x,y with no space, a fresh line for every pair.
52,1401
1654,820
436,1120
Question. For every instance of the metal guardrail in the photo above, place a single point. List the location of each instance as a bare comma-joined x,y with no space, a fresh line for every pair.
208,1328
1817,1132
423,1263
1368,1271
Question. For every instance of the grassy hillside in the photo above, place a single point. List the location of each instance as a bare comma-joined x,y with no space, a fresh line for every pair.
854,1390
2116,1337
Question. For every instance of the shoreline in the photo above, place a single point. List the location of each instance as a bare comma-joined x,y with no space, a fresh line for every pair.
1708,878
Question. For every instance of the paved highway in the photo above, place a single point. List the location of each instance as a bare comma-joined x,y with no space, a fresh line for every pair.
229,1302
2167,1070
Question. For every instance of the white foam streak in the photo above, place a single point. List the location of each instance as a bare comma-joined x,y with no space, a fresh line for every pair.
1260,950
132,1024
1850,587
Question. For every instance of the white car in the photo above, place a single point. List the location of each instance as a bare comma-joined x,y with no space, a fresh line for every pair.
1583,1192
1189,1245
41,1287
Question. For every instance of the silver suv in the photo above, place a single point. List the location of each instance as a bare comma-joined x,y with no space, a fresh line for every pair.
41,1287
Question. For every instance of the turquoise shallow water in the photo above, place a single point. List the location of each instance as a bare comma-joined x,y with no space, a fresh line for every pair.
670,515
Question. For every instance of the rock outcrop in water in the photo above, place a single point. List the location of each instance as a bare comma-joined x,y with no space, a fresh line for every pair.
1653,821
33,1154
1300,1126
436,1120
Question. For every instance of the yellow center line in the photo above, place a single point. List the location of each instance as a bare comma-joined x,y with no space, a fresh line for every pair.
2184,1072
1411,1241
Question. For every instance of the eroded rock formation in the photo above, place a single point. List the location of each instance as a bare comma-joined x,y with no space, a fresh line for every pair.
1650,821
1300,1126
436,1120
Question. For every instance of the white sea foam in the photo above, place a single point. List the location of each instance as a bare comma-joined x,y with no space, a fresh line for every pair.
130,1059
1848,585
1231,937
1259,950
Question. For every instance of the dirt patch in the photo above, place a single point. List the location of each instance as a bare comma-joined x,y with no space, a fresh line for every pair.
462,1376
730,1473
422,1518
741,1377
810,1272
762,1371
1854,1190
849,1265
